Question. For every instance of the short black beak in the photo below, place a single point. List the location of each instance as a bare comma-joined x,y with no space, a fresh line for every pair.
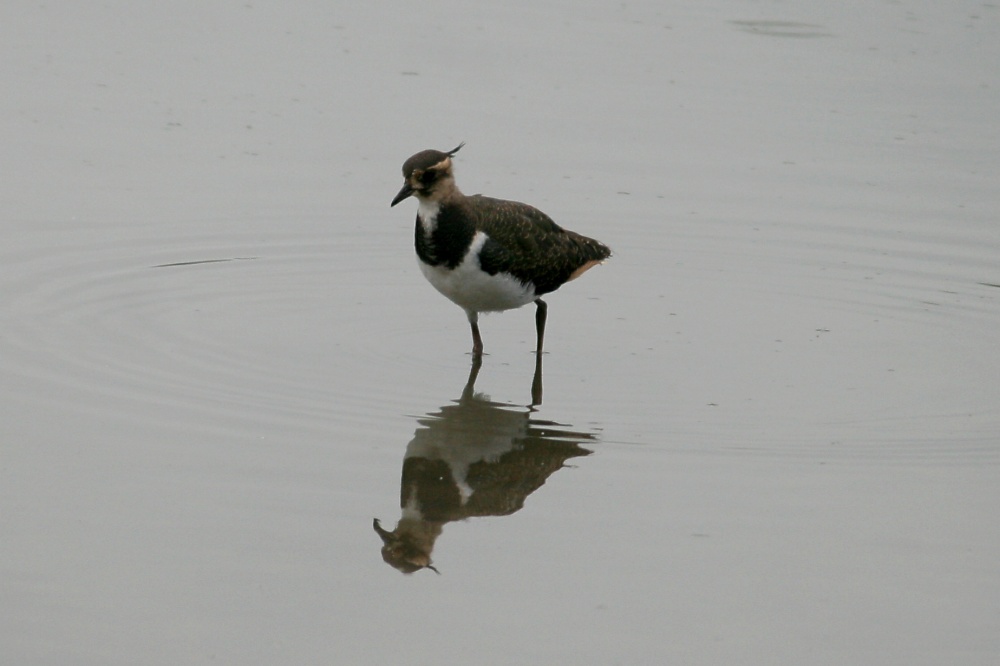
387,536
404,193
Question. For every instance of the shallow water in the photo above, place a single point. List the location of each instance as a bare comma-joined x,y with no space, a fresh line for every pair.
767,431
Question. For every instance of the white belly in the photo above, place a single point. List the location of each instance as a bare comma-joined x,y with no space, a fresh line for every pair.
475,291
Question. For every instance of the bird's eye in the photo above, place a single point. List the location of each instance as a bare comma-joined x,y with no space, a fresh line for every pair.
427,177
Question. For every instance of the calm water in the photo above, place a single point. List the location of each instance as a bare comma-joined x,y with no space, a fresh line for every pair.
767,431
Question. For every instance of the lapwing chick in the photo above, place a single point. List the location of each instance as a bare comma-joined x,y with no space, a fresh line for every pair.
489,255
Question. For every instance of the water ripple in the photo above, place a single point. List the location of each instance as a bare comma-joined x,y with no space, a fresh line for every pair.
200,324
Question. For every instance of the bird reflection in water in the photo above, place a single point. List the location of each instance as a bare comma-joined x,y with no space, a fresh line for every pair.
472,458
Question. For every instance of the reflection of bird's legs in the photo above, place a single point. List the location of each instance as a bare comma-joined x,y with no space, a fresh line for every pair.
470,385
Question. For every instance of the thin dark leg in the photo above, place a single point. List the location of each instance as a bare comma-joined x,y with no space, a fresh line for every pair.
540,312
536,382
477,341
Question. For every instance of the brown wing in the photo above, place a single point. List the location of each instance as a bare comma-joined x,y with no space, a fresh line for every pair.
526,243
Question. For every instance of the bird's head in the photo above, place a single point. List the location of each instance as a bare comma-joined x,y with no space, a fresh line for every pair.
428,176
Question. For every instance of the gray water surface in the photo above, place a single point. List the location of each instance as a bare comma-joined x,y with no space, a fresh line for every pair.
766,432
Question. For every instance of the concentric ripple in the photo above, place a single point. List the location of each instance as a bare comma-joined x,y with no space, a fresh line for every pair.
217,321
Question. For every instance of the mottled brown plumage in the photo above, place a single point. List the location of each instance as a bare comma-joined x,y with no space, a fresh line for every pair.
489,254
529,245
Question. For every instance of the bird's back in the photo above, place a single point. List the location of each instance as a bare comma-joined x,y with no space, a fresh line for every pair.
529,245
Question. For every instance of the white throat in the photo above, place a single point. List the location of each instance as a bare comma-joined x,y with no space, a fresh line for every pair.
428,212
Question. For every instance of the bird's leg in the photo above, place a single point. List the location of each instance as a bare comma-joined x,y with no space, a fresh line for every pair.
477,339
540,311
536,383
